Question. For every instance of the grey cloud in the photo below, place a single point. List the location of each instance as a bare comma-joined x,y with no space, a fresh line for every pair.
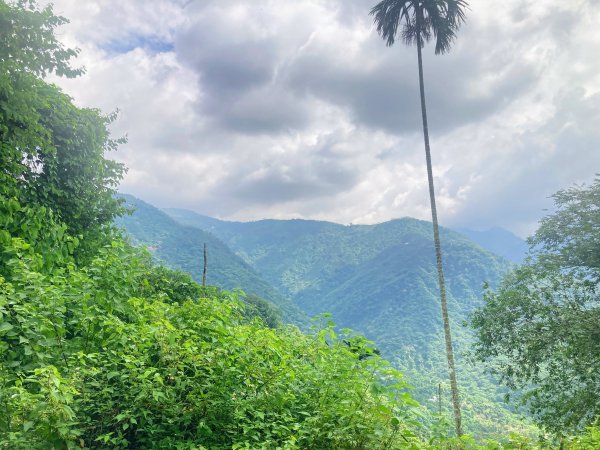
237,76
312,173
559,22
383,92
514,199
261,111
264,84
578,110
246,79
564,151
280,187
227,68
517,198
226,123
350,11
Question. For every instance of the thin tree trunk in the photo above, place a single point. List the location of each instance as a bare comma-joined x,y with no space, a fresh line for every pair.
205,267
438,251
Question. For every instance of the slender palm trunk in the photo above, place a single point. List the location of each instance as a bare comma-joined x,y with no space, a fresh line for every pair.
205,267
438,252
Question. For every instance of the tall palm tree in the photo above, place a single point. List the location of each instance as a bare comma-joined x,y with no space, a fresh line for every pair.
420,20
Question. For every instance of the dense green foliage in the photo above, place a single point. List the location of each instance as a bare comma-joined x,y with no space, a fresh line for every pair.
101,355
179,287
87,361
181,247
381,281
540,329
52,153
569,239
28,43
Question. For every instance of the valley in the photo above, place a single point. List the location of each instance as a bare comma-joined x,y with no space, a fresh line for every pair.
378,280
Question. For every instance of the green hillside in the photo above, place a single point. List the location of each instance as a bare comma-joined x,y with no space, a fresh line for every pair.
380,280
181,247
393,295
499,241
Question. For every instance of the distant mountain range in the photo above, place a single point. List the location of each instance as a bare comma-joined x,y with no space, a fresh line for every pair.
386,269
498,241
181,247
379,280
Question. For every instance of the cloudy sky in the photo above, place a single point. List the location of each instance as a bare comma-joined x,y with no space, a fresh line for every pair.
296,108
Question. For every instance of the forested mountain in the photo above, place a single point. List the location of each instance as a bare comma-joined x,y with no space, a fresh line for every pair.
373,278
322,263
181,247
380,280
499,241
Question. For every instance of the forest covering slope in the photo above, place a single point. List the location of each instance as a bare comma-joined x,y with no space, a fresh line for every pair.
499,241
363,274
181,247
378,280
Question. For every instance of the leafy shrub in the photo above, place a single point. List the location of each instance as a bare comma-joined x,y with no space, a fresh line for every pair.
102,356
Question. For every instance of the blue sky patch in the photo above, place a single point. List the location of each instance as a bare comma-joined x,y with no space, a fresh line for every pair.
150,44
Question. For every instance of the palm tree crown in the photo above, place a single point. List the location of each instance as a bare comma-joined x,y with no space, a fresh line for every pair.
431,18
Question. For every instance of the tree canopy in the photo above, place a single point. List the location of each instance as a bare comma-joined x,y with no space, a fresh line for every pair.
53,153
570,238
540,330
419,21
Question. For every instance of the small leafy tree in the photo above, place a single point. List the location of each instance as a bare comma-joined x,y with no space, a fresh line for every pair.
52,152
540,330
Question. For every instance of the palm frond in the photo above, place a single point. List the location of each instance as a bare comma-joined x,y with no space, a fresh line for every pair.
440,19
388,14
449,15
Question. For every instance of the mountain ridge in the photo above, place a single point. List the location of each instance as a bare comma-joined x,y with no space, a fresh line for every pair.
495,239
499,241
180,246
380,281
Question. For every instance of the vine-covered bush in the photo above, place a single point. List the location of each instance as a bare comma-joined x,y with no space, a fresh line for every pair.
87,361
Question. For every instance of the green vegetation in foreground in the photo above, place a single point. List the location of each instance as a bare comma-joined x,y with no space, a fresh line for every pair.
101,349
98,356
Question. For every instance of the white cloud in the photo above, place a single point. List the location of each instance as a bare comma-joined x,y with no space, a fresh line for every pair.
297,109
